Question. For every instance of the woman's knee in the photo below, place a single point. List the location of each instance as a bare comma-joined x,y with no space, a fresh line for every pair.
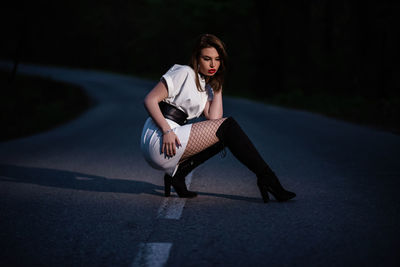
230,121
228,125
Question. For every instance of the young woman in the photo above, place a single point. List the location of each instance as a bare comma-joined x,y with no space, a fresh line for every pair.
171,144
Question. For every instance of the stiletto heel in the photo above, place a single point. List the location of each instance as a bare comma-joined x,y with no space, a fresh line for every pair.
167,185
272,185
264,192
179,186
178,181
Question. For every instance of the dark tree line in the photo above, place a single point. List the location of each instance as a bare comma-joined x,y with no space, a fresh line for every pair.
338,46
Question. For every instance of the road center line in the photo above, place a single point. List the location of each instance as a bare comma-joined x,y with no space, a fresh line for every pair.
172,207
156,254
152,255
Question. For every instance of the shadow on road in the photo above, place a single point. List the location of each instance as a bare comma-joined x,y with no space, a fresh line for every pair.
84,181
74,180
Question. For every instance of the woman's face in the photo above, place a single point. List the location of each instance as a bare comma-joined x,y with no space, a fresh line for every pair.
209,61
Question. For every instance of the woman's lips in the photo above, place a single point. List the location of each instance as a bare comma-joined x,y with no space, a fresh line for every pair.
211,71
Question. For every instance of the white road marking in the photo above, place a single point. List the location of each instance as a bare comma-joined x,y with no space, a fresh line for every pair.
172,207
152,255
156,254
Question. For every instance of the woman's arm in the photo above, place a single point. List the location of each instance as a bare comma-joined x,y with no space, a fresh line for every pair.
214,109
156,95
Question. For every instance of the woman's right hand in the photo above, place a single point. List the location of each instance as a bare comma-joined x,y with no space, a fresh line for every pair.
170,142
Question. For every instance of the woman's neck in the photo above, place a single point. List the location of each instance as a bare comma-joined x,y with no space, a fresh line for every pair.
205,77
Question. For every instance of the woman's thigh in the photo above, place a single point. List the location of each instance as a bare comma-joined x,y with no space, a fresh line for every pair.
202,136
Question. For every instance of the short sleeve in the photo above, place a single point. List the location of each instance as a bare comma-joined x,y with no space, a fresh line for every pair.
210,93
175,78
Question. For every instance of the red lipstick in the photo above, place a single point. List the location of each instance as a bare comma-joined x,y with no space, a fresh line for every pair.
212,71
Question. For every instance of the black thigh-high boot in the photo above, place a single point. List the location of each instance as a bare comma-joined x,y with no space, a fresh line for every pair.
232,136
178,181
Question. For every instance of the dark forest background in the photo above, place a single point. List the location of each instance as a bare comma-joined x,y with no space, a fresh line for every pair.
306,54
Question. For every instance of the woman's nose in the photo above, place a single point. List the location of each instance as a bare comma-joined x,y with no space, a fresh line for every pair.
212,63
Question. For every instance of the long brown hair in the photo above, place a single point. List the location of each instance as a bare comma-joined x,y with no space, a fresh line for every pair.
206,41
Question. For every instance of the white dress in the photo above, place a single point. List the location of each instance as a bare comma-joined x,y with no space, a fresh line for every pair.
184,95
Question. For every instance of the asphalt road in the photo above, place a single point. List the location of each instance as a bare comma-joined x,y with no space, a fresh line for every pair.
82,195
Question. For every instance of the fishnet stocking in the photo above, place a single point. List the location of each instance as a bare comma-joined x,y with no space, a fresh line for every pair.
202,136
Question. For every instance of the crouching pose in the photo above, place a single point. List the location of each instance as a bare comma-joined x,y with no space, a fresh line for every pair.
171,144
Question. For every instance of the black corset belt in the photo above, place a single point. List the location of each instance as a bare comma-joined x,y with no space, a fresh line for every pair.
172,113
